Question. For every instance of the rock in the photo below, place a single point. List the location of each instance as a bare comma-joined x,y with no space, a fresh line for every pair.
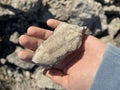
4,80
13,58
114,27
117,40
112,9
109,1
14,37
25,85
27,74
12,79
3,61
44,82
59,9
19,78
9,72
19,6
65,39
106,1
108,39
90,14
17,15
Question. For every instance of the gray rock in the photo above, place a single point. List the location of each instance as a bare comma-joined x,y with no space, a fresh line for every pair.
114,27
106,1
12,79
14,37
27,74
79,12
109,1
33,12
65,39
108,39
13,58
3,75
3,61
117,40
21,5
111,9
60,9
44,82
90,14
23,83
4,80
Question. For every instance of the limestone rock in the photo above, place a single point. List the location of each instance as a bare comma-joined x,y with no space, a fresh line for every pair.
65,39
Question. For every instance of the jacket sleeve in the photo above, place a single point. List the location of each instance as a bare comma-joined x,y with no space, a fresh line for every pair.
108,74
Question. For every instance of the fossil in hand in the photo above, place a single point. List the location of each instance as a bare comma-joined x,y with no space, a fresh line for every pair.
65,39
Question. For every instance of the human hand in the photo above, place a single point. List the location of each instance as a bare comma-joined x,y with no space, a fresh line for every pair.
77,70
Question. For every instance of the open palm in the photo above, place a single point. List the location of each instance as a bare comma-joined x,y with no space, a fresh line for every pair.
77,70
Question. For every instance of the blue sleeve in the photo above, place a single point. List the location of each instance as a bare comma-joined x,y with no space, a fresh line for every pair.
108,74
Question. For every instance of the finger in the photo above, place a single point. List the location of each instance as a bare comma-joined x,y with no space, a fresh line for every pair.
26,55
57,76
38,32
53,23
29,42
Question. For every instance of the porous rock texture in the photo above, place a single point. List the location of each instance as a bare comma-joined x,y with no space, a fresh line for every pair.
65,39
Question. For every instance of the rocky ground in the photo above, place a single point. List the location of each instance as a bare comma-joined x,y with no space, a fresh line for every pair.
101,16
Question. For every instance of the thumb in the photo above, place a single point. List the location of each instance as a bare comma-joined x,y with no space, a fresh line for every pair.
53,23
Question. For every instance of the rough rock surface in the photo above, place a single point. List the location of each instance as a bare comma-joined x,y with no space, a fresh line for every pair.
65,39
59,9
113,27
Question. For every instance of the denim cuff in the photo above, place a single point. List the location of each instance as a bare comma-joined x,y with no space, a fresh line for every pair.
108,74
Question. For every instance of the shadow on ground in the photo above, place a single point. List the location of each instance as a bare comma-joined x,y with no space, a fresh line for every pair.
19,22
